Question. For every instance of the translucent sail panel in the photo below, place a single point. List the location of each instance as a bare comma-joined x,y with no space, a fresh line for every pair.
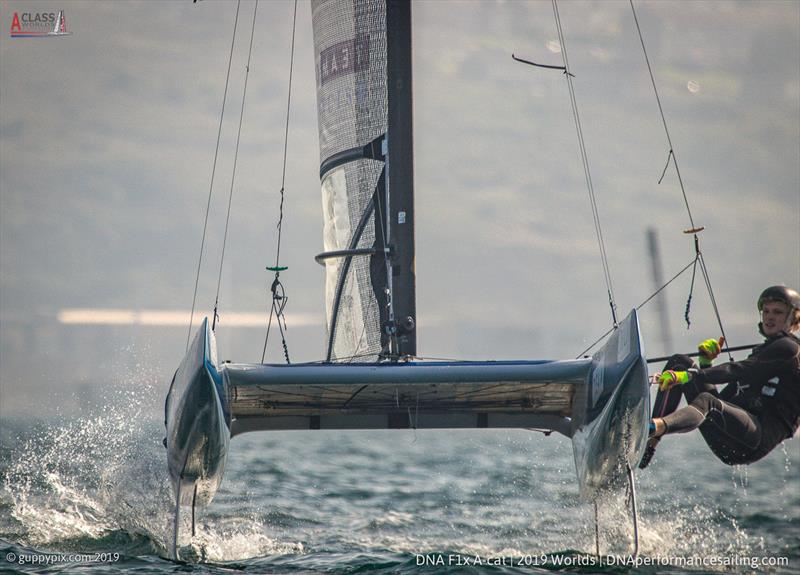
350,56
351,304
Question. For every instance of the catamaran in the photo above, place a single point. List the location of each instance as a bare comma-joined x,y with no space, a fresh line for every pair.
371,377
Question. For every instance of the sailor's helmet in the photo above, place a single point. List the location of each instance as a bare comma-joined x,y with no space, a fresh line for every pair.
785,295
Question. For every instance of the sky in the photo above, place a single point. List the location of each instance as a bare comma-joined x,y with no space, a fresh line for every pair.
107,141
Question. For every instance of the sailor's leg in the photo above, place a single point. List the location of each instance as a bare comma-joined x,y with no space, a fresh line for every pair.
732,433
667,401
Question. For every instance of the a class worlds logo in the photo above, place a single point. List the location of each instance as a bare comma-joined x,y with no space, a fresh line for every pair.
39,25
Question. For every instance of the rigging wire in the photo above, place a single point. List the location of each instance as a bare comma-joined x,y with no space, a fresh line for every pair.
586,171
360,341
279,298
286,136
279,301
671,154
213,172
694,229
233,173
691,264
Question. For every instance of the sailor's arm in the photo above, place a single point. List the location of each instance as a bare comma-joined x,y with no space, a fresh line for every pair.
763,365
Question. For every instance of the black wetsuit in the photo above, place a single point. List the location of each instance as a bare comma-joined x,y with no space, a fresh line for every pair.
757,410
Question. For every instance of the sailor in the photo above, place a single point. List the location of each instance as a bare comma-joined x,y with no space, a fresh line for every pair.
760,406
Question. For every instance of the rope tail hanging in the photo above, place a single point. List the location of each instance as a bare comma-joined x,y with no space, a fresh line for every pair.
279,297
694,229
691,291
213,172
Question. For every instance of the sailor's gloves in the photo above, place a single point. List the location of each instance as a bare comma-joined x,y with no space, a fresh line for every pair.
709,350
669,379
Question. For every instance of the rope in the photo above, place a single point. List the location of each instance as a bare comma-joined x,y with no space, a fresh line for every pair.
286,137
694,229
279,298
704,269
691,292
360,341
663,119
213,171
279,301
235,159
586,171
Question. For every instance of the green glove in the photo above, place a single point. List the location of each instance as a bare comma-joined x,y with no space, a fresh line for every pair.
669,379
709,350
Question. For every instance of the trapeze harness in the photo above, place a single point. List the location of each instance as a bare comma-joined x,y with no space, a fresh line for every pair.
757,410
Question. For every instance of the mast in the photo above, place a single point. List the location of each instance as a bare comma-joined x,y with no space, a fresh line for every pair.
400,170
658,281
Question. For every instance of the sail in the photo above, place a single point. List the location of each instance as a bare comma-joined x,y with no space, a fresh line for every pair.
369,279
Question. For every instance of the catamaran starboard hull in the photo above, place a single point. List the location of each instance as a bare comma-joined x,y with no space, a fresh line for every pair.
611,413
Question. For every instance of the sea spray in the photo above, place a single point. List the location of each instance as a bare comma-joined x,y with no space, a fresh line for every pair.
82,479
99,482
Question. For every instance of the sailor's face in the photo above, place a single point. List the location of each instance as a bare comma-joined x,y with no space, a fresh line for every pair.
774,316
